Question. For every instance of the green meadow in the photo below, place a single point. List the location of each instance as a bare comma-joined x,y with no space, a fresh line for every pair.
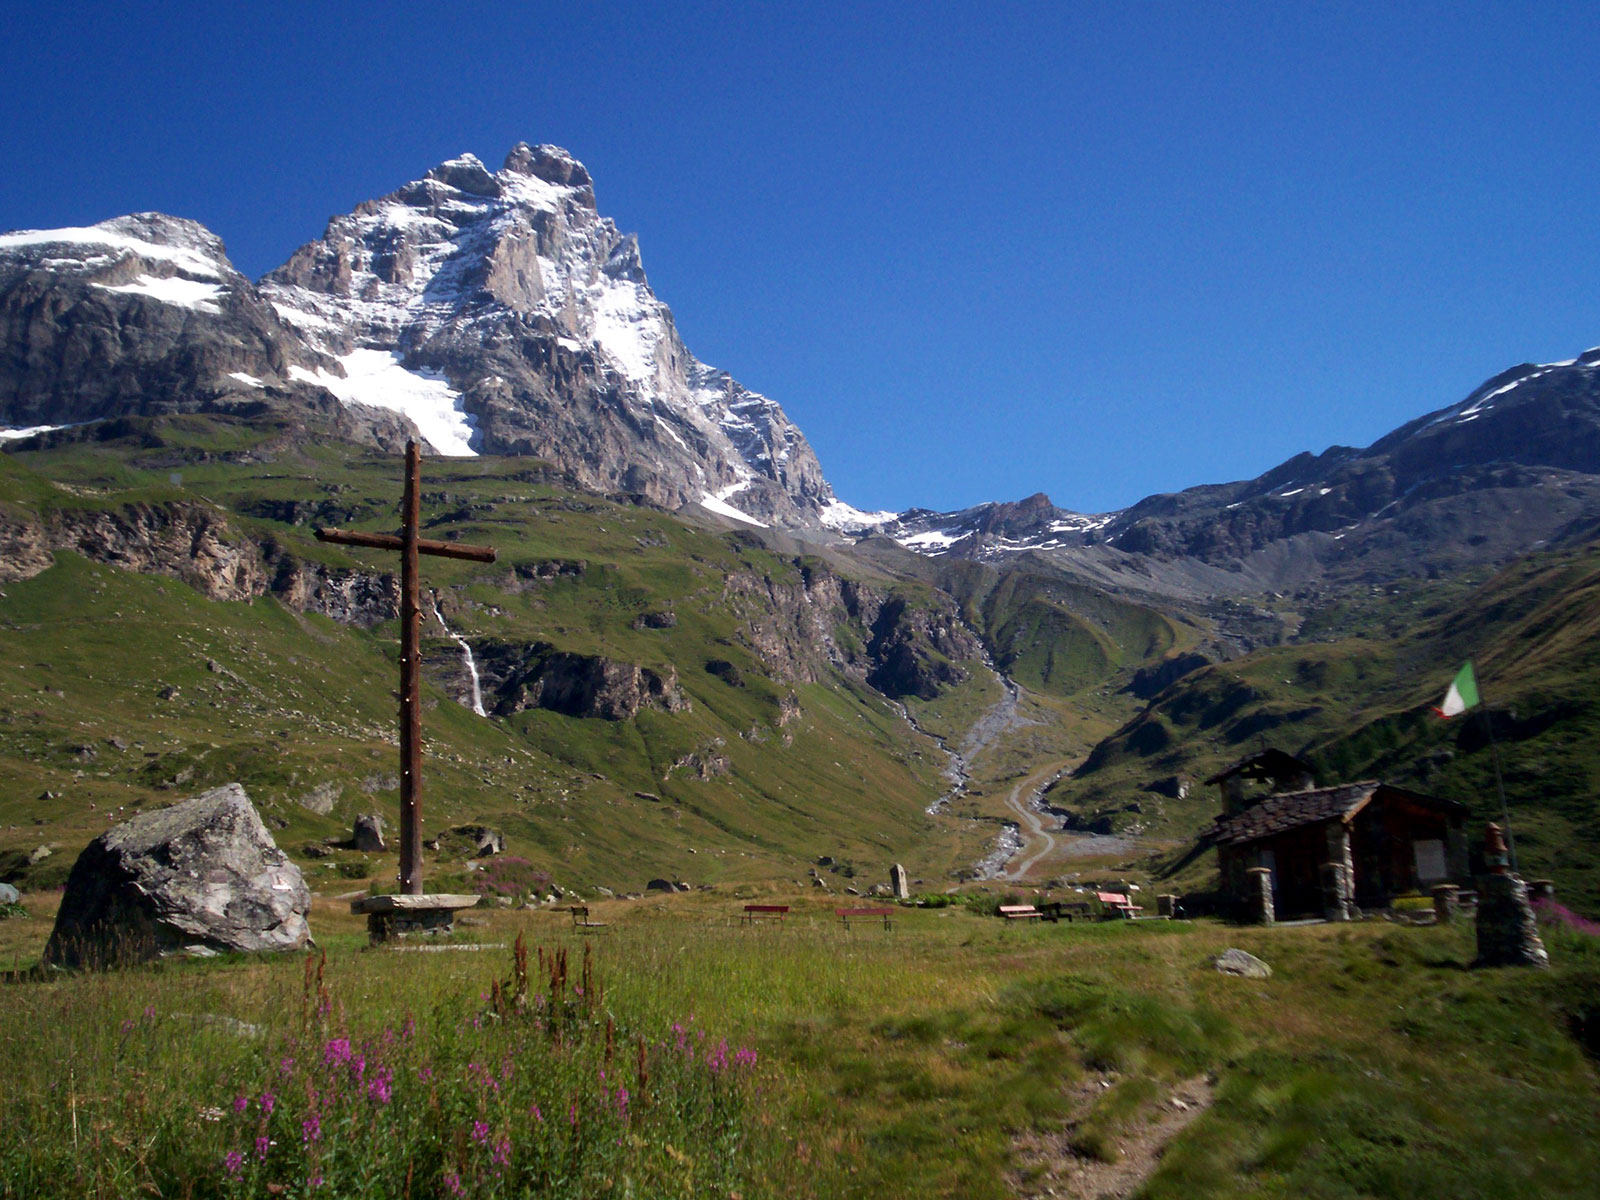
954,1055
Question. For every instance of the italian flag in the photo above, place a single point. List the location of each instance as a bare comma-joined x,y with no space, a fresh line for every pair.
1463,694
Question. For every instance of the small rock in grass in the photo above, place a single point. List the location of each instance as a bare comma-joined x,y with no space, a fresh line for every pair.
1233,961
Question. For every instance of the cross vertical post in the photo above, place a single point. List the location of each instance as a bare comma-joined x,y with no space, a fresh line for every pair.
411,546
410,678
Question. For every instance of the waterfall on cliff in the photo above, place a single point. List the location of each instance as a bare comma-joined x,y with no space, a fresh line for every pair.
466,654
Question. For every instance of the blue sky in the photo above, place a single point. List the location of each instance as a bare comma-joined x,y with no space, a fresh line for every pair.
976,251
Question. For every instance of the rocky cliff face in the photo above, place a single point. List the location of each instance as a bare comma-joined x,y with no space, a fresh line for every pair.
193,542
869,633
518,677
144,315
534,316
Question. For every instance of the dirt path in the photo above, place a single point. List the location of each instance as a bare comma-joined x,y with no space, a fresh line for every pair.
1038,842
1055,1165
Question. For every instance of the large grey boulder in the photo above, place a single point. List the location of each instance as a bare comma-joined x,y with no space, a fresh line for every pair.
201,877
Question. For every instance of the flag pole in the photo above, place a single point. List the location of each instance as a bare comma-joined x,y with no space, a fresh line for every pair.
1499,783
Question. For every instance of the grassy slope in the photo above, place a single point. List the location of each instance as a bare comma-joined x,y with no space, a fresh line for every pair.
1357,707
300,702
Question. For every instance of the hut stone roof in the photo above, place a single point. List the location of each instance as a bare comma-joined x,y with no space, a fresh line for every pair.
1290,810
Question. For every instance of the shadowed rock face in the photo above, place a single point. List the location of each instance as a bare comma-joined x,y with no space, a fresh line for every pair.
201,877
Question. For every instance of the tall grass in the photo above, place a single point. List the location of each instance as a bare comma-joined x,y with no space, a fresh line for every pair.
535,1086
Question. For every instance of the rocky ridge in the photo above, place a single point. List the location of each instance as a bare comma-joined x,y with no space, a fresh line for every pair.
1513,466
144,315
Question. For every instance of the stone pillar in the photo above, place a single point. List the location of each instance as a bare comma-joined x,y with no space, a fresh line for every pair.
1166,906
898,883
1335,892
1508,936
1338,873
1259,896
1444,903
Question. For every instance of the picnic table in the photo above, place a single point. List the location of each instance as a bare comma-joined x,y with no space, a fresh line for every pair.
847,914
1064,910
580,918
1116,905
1019,912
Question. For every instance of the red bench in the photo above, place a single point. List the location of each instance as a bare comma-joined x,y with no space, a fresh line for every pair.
1019,912
845,914
764,912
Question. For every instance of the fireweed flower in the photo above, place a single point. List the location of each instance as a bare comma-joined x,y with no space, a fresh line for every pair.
311,1129
480,1133
234,1163
717,1059
452,1183
381,1089
336,1051
500,1152
267,1102
536,1113
744,1057
241,1102
263,1144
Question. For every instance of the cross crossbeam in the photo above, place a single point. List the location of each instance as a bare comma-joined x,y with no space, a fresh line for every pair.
410,546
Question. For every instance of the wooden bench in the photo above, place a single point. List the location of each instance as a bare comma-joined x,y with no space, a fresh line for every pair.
1019,912
1065,910
1117,905
764,912
580,918
845,914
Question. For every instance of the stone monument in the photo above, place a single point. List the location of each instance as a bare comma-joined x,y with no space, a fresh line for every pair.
1508,935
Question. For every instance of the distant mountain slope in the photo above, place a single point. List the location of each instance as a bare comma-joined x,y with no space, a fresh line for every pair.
1513,466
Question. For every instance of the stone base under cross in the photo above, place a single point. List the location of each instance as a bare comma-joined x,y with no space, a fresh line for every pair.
399,916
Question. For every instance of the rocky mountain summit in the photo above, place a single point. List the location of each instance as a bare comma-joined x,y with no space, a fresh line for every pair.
531,317
493,312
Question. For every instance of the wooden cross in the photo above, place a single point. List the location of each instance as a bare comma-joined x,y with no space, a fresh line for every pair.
410,547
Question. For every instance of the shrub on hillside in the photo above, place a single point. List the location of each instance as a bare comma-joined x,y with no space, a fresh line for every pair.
510,877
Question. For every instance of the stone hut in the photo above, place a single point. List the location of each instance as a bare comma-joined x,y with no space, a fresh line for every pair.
1332,849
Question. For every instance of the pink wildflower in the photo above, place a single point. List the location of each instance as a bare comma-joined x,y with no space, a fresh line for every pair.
336,1051
234,1162
480,1133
